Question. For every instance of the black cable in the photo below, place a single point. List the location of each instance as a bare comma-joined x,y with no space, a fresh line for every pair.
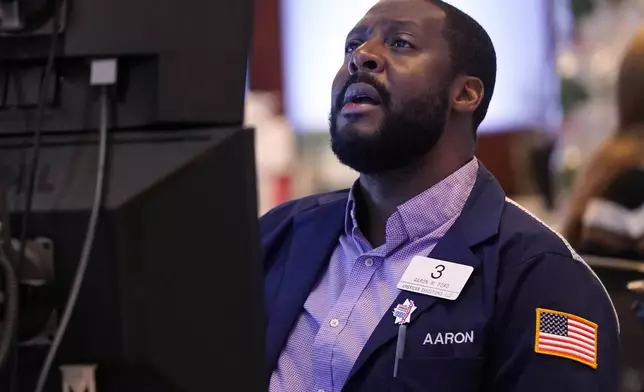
40,118
21,103
33,169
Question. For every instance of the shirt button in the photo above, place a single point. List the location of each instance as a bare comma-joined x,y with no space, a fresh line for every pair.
368,262
321,390
334,323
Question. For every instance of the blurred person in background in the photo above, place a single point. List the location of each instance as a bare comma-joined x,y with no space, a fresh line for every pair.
423,276
607,204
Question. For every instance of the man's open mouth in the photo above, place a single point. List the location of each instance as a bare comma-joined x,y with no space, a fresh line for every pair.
362,94
359,99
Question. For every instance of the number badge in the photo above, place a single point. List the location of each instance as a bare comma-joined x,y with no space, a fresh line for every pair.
436,278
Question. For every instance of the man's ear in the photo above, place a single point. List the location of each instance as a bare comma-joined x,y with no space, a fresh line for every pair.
467,94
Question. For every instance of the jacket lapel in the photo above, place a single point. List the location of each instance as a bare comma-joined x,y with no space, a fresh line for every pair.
478,221
315,236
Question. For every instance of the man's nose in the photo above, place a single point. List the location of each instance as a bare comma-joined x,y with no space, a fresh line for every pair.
366,59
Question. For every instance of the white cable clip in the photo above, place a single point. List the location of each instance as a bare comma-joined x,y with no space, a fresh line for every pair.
103,72
79,378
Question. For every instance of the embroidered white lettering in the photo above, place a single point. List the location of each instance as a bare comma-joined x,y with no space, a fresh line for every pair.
469,337
449,338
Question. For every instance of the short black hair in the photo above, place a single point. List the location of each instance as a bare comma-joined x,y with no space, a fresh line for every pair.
472,53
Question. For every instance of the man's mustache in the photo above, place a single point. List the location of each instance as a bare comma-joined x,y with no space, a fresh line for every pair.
362,78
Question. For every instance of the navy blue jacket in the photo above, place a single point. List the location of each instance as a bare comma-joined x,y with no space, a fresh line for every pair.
520,265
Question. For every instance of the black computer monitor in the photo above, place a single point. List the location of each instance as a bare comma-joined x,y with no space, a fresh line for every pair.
171,300
181,62
172,295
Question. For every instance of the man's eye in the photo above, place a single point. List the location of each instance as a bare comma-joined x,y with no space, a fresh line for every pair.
351,46
400,43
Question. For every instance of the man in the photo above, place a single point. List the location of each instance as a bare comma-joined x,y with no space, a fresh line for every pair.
424,277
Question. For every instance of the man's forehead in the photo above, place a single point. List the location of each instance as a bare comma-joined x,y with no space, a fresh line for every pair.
420,12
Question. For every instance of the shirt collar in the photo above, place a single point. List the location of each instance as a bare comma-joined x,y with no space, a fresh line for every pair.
350,220
420,216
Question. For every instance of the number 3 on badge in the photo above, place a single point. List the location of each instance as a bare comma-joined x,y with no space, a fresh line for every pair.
436,278
439,272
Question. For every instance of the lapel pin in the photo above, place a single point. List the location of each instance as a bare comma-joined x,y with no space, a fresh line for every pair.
403,312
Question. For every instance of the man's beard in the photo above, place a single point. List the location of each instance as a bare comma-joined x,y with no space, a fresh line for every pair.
404,137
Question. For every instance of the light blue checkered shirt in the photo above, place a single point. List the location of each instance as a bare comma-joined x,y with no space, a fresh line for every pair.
359,287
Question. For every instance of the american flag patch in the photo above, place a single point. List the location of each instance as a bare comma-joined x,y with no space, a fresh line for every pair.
566,335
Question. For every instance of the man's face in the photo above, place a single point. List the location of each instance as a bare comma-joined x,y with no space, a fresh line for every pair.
391,95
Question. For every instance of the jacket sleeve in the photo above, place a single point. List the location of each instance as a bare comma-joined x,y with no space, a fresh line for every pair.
553,285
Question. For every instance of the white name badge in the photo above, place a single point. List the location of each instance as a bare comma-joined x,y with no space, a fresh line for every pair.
436,278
